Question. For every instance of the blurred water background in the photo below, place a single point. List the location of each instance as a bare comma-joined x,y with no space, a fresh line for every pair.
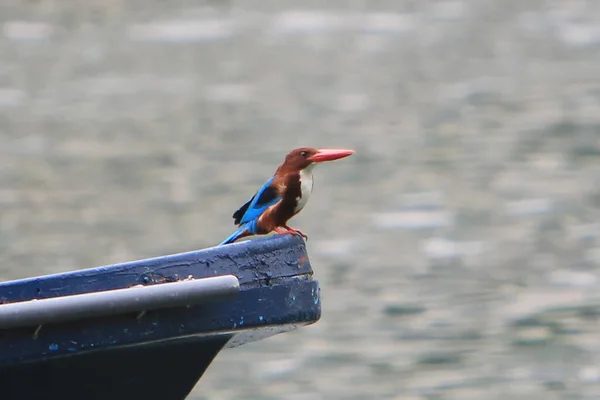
458,250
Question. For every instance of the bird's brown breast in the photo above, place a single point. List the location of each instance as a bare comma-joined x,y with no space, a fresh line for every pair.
278,215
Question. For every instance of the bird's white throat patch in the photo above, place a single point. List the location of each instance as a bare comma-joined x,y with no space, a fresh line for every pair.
306,186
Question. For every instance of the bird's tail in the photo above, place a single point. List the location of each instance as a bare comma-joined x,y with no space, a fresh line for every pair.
242,231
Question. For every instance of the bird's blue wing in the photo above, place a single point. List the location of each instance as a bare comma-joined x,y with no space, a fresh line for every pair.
264,198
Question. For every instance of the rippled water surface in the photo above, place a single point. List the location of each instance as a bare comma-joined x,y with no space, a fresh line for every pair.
458,251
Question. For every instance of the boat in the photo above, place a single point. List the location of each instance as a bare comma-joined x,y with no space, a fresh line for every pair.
149,329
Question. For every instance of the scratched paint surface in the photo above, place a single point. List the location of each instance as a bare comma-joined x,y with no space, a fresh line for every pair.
458,251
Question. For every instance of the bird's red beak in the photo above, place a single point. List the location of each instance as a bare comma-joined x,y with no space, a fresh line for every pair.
330,154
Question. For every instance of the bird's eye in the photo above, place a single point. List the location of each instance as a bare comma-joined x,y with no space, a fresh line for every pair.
304,154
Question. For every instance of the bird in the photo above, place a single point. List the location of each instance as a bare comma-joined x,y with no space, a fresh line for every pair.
283,195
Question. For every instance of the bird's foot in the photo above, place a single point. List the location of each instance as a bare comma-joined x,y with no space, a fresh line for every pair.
280,231
295,232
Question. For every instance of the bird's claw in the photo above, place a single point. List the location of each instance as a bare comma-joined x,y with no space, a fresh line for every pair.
291,231
296,232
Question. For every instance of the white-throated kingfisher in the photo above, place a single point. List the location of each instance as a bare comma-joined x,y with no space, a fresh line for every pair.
282,196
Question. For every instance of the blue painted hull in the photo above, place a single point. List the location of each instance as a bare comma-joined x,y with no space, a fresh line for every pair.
158,353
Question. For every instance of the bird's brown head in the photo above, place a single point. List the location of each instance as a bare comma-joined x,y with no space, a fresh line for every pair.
303,157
